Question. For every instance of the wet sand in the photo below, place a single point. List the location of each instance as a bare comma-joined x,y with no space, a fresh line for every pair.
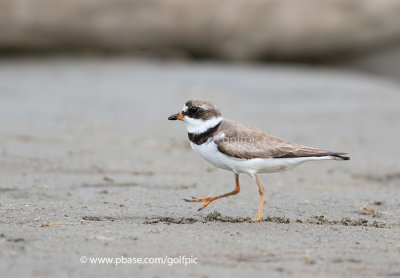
90,166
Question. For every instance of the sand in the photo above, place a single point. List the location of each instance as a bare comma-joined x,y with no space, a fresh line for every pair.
91,167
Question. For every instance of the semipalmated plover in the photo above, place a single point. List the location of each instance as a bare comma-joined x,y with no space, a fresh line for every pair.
241,149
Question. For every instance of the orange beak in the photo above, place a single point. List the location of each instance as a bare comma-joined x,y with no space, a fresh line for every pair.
177,116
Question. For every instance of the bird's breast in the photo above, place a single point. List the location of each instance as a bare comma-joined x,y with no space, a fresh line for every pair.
209,151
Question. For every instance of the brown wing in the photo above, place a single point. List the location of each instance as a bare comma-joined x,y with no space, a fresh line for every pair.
243,142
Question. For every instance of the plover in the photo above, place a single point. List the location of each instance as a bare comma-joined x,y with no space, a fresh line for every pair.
241,149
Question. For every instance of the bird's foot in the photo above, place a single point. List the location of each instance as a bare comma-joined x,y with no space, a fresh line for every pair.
206,201
257,219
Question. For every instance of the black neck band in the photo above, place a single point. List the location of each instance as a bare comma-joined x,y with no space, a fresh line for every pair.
199,139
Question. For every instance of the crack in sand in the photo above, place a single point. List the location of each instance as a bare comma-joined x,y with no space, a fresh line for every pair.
217,217
111,183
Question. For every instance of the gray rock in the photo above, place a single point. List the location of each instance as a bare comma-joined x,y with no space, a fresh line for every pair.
239,30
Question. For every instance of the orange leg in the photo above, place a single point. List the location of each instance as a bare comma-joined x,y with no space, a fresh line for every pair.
208,200
260,207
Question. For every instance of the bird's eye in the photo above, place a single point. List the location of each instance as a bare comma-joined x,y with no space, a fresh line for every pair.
194,110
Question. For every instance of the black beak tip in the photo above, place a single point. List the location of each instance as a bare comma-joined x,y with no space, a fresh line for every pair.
173,117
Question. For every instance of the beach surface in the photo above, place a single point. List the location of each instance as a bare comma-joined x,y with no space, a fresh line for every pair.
91,168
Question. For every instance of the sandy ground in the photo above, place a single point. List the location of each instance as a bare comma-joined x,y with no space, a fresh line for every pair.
91,167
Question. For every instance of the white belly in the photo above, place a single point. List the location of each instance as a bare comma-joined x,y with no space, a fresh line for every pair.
209,152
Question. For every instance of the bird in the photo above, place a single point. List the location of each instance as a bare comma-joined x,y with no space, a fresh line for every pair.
240,148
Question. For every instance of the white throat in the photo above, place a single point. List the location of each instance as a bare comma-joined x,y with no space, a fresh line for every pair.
197,126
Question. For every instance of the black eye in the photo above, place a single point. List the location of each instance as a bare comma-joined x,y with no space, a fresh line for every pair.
194,110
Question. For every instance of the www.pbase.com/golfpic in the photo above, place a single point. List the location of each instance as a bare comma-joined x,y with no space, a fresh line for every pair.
169,261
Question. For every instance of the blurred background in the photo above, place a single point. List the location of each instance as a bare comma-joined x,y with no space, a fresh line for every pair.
87,155
356,34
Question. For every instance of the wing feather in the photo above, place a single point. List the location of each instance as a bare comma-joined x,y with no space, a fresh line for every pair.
244,142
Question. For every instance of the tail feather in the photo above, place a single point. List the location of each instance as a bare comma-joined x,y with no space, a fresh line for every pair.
317,153
339,156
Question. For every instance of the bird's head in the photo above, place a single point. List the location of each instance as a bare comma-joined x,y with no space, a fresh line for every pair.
199,115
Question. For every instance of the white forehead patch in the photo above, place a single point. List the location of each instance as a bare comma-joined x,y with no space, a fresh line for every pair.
185,108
